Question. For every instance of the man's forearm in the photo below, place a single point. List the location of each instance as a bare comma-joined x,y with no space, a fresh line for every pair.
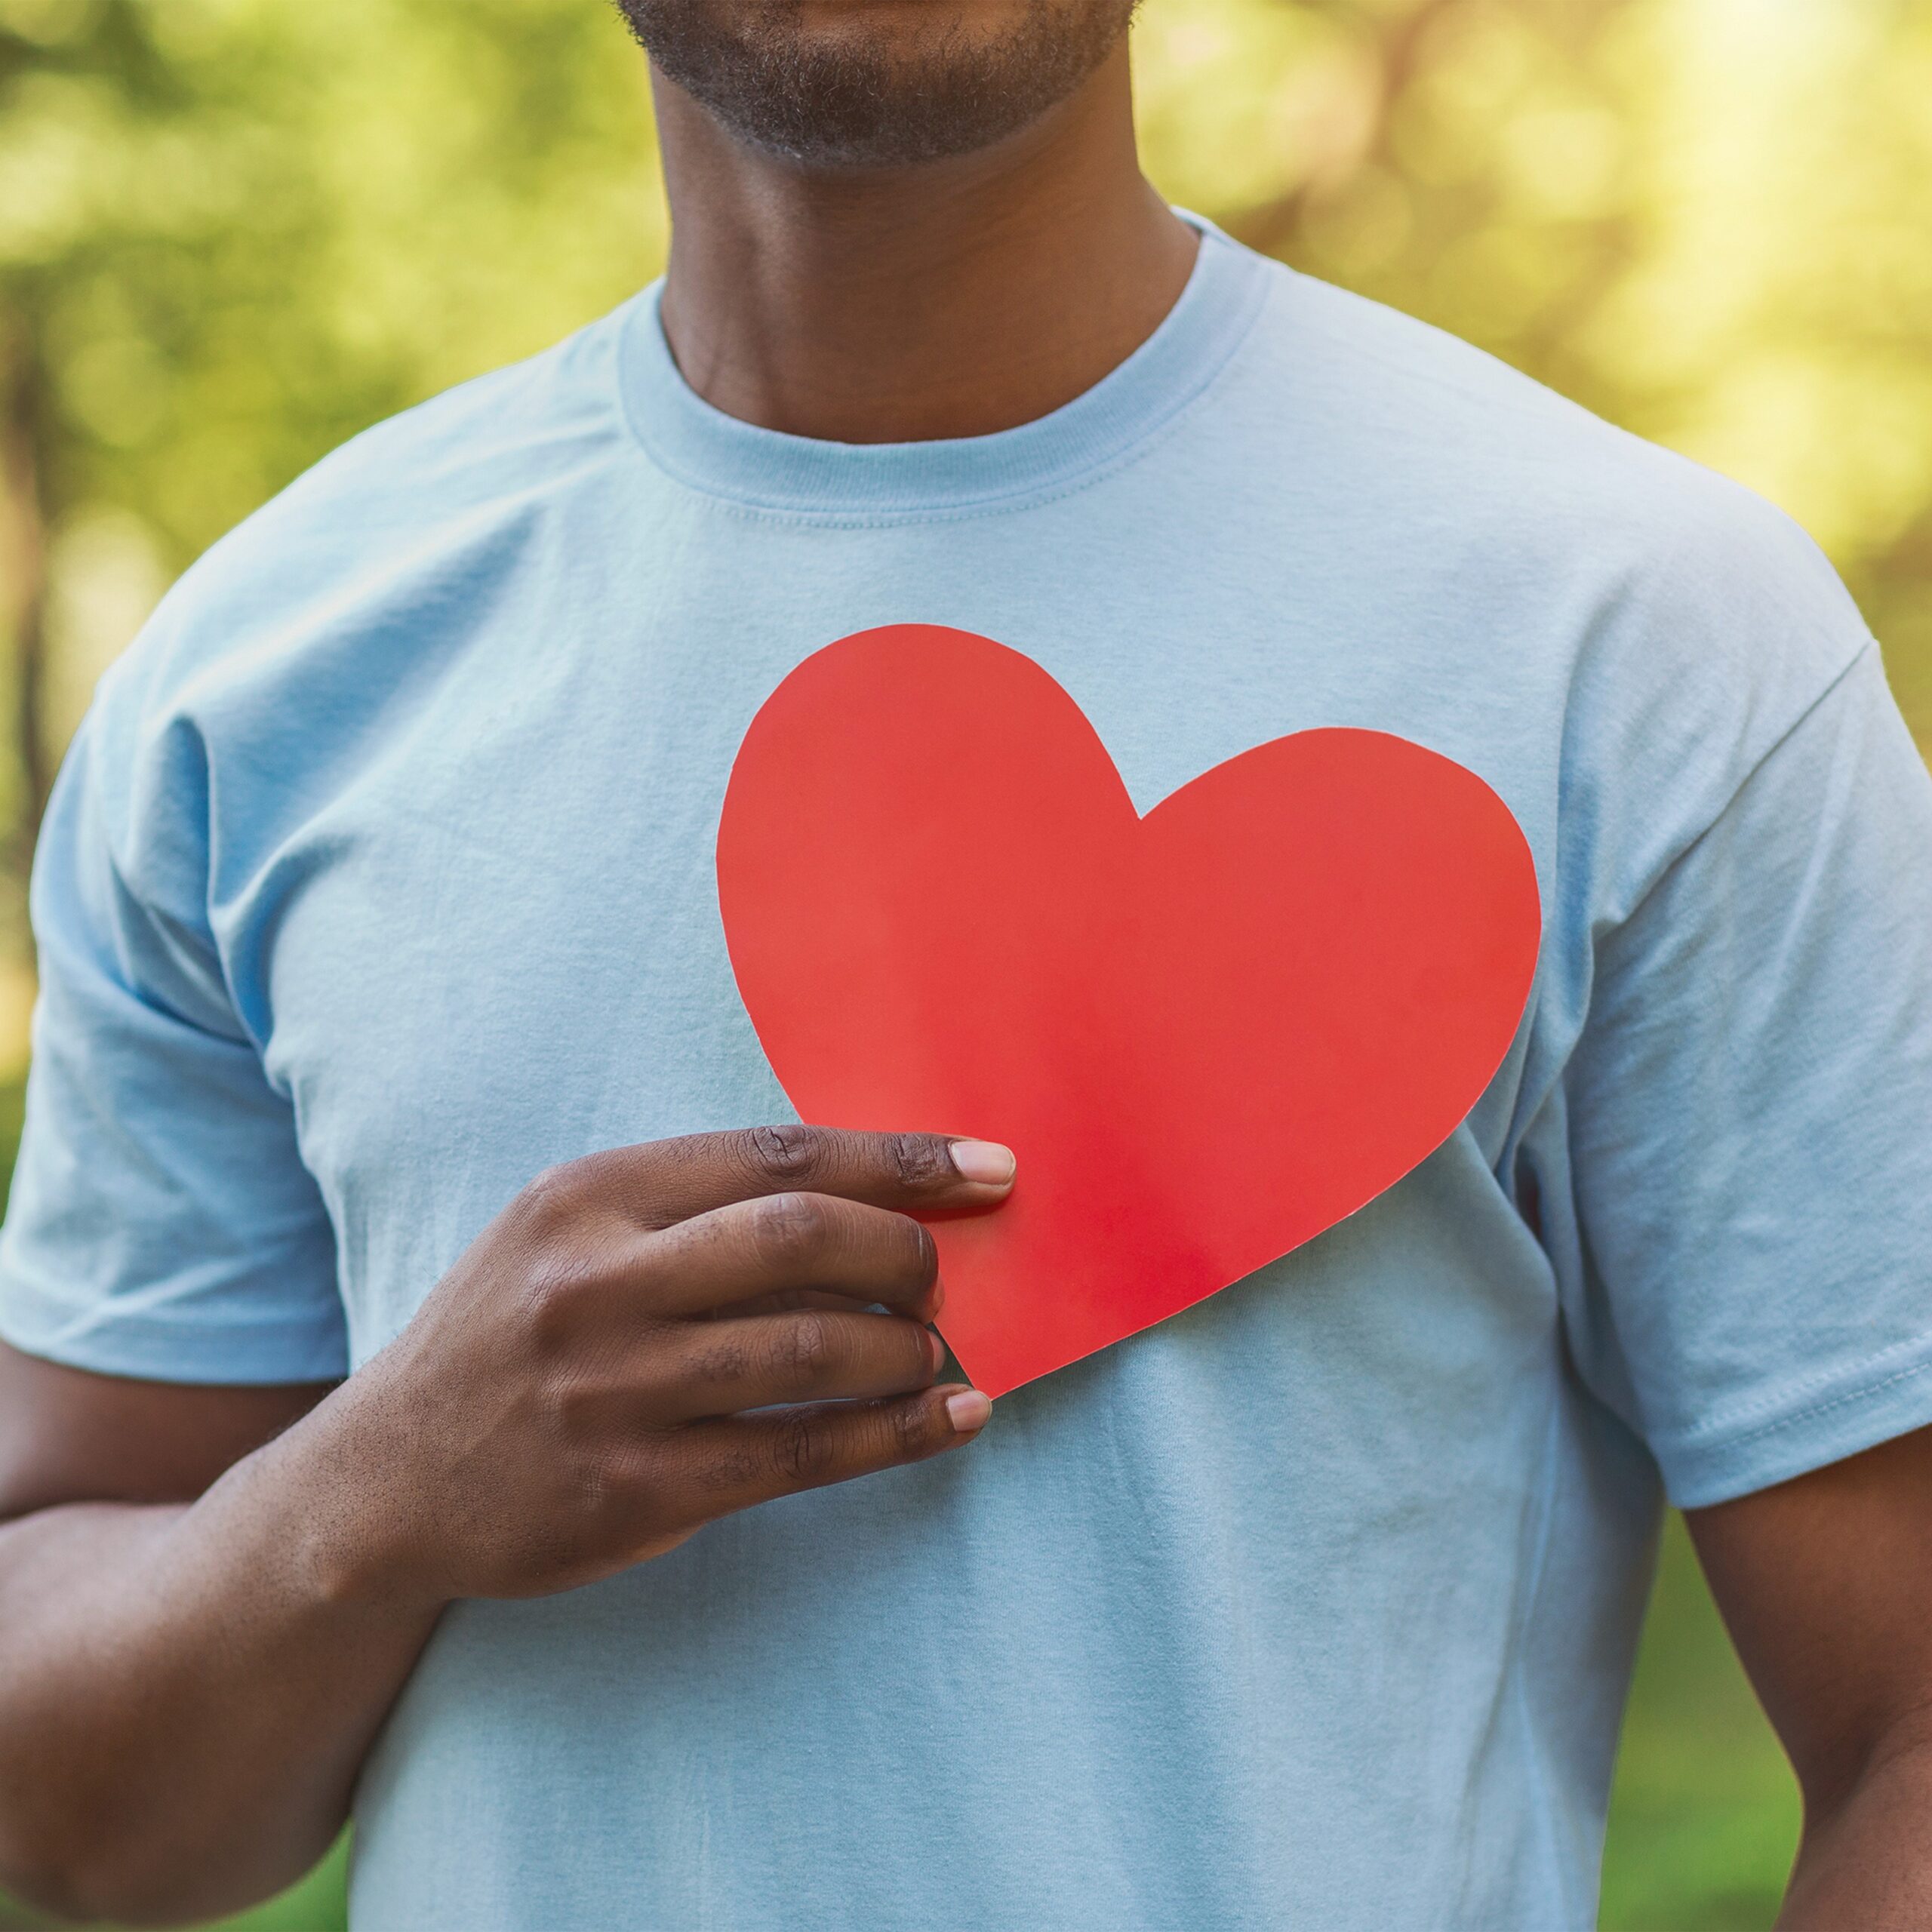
1867,1862
1822,1583
187,1694
635,1347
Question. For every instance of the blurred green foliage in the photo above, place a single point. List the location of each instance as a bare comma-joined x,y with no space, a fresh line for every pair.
1704,1815
233,232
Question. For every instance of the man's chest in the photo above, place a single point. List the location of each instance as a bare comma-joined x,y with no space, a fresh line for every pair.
496,943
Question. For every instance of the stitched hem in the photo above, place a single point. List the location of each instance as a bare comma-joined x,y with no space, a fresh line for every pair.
150,1347
1887,1397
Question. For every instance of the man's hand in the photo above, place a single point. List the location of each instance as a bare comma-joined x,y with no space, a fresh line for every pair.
603,1372
193,1663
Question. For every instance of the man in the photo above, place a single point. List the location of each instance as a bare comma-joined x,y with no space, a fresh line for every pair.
388,1034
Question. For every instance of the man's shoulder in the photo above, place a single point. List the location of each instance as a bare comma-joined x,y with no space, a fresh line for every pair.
1376,386
512,428
426,504
1667,566
1665,626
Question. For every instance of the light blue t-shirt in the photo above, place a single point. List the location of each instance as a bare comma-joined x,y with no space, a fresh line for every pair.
381,876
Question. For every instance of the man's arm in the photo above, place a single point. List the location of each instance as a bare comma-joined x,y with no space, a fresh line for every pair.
184,1708
1825,1582
209,1599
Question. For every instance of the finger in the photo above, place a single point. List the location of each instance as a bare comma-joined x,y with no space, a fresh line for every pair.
785,1299
783,1241
741,1460
660,1182
716,1368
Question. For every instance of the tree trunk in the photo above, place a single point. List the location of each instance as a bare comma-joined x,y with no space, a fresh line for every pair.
24,539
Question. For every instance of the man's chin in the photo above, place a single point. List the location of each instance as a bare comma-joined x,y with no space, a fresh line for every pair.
876,83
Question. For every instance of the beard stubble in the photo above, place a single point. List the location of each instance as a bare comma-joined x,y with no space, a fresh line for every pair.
844,98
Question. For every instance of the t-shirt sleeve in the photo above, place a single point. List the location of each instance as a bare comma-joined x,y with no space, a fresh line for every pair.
1751,1116
161,1223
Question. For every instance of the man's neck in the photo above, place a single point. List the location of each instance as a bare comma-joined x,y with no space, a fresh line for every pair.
955,298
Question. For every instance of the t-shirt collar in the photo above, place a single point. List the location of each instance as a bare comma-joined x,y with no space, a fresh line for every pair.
709,451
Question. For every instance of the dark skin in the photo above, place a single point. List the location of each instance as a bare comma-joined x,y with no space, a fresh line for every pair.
1823,1582
954,299
210,1598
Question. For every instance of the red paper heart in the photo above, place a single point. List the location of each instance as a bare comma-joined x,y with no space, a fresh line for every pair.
1208,1034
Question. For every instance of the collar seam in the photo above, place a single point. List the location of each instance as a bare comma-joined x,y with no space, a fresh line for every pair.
853,514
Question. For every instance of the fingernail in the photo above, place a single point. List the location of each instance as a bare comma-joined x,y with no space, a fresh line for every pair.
938,1295
968,1411
936,1350
984,1160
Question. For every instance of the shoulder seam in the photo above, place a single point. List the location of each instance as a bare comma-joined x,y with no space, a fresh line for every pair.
1779,740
